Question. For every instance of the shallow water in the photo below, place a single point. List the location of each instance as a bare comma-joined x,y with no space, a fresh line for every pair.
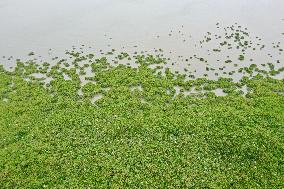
50,27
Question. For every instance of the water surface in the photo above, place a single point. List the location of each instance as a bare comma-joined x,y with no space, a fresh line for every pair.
50,27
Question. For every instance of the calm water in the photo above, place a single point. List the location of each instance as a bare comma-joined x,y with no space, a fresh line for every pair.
175,26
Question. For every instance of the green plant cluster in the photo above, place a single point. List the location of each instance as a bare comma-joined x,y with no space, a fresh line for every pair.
141,133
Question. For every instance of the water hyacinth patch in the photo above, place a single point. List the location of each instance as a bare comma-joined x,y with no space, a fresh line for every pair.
131,120
141,133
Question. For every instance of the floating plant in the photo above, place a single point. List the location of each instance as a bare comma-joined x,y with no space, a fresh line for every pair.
142,126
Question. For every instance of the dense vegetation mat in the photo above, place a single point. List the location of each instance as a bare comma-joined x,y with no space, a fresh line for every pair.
128,127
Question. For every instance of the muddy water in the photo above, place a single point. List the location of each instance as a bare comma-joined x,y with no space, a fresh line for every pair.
48,27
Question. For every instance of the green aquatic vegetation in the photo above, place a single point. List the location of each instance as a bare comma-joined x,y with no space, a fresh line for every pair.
82,72
208,39
46,65
31,54
90,90
241,57
139,134
216,50
122,56
271,66
210,86
66,64
228,61
198,88
109,53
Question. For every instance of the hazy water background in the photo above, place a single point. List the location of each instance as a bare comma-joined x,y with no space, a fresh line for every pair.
40,25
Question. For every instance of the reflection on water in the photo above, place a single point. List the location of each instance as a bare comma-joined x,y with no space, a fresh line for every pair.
50,27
